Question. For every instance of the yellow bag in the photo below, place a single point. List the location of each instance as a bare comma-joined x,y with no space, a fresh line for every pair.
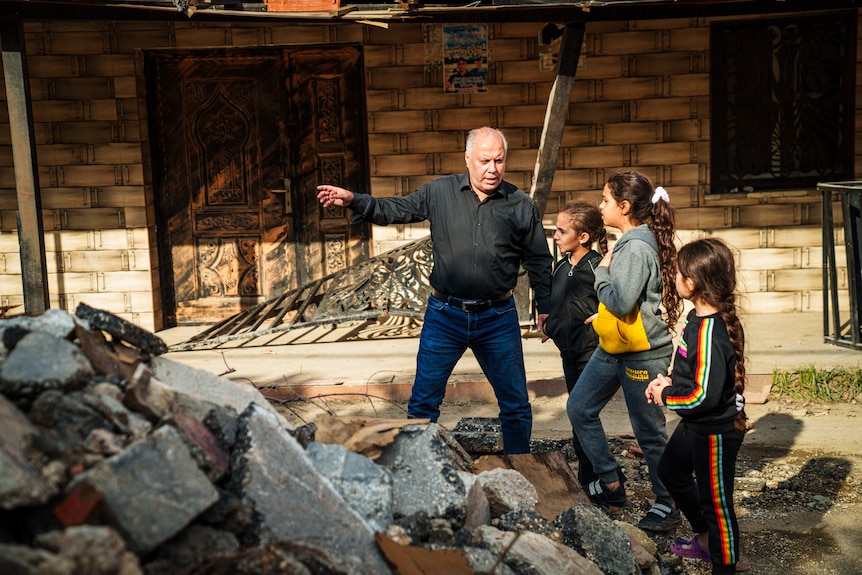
620,334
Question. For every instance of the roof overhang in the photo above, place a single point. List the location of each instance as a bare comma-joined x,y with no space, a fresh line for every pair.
411,10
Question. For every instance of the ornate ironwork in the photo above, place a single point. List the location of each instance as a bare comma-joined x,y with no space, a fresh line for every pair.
782,102
381,297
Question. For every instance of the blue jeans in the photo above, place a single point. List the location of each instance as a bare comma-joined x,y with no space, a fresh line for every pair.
573,365
598,383
494,335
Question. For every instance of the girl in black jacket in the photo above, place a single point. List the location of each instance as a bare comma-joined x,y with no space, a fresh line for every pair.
573,299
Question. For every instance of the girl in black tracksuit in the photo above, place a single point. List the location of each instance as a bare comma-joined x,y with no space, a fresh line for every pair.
705,390
573,299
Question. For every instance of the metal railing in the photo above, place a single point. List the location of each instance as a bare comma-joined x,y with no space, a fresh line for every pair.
846,334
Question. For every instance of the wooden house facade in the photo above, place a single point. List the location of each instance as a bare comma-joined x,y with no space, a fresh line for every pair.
177,155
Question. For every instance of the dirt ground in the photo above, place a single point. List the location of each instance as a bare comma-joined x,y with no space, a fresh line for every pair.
799,477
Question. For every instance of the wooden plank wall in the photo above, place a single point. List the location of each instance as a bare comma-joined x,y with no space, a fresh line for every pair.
98,224
640,101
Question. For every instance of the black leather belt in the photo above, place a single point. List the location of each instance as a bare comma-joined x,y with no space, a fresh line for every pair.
472,305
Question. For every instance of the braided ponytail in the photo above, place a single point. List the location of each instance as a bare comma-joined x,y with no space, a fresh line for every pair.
727,309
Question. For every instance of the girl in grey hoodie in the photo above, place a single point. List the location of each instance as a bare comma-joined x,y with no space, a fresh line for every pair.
636,279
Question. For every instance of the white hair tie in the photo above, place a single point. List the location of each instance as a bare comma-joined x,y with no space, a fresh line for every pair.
660,194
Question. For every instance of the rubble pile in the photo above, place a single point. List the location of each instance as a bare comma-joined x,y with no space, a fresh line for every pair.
114,460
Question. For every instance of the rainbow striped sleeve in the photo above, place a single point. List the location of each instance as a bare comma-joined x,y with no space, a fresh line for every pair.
701,370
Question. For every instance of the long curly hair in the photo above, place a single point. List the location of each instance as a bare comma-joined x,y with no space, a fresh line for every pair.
637,189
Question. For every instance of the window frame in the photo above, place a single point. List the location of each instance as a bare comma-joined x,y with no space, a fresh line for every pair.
726,153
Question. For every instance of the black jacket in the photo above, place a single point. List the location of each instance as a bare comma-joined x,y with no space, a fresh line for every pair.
478,247
573,300
703,389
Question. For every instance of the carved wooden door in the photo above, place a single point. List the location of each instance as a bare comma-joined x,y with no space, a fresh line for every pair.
326,84
233,160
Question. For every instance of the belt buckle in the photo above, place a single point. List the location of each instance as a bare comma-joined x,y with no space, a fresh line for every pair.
473,305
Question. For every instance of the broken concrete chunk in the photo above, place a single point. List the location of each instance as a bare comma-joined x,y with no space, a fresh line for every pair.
25,373
54,472
70,419
535,552
121,329
507,490
102,399
440,533
425,477
21,482
483,560
152,490
293,502
193,548
594,535
210,456
479,435
200,391
94,550
103,442
478,508
53,322
525,520
282,558
643,547
23,560
145,394
366,486
367,436
549,472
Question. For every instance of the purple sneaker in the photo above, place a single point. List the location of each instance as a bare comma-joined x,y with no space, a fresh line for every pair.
689,548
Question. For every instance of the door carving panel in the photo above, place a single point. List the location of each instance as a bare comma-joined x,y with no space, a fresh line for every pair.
231,165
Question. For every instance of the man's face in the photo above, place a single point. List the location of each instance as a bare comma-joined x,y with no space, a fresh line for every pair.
462,66
487,162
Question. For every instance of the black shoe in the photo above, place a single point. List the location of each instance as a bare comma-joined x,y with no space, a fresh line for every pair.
660,517
599,493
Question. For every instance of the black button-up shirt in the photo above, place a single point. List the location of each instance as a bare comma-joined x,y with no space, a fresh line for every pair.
478,247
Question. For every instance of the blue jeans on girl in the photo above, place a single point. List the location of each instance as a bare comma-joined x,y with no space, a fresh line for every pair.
600,380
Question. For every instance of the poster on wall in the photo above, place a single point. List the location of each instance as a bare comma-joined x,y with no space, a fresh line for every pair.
550,42
465,58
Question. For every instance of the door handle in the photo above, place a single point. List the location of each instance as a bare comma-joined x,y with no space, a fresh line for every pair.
285,197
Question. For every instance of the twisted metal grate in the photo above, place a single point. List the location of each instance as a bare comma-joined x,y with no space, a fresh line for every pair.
384,296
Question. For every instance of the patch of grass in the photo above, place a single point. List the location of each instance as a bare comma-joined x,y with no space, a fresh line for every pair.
821,385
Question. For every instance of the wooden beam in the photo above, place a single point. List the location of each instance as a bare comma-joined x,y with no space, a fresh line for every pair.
31,237
556,114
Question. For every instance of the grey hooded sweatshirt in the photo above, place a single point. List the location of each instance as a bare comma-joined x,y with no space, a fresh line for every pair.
634,278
